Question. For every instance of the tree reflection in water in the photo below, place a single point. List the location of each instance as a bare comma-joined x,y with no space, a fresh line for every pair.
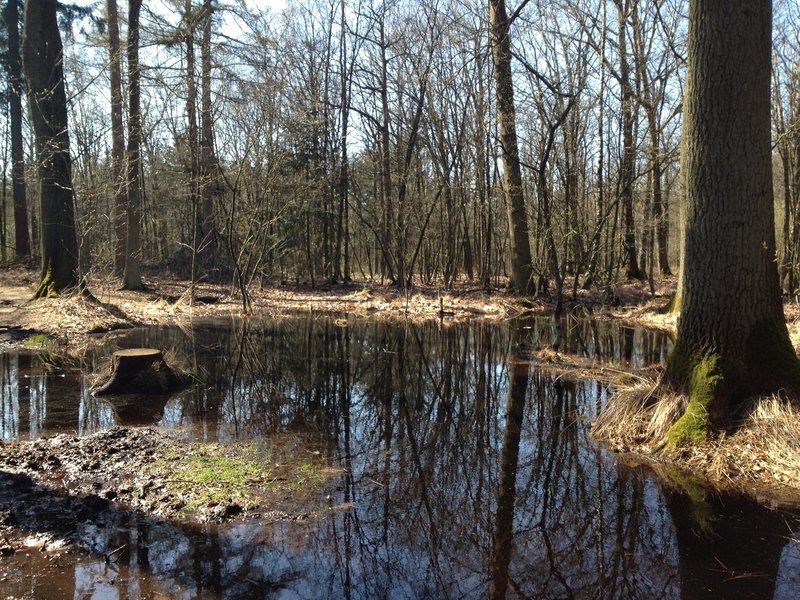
466,471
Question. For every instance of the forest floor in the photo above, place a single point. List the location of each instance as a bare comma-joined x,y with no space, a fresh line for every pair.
744,459
167,299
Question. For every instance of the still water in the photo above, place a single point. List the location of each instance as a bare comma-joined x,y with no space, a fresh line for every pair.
466,472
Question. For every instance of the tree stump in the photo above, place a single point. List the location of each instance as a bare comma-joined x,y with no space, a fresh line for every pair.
141,371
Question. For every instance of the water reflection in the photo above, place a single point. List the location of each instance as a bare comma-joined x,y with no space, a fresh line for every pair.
507,485
466,472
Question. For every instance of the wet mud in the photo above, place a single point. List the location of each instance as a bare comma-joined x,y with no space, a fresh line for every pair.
51,487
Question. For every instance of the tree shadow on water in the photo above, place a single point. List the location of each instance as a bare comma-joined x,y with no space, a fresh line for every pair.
70,545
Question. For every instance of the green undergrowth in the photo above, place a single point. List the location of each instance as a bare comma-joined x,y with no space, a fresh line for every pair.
205,475
37,341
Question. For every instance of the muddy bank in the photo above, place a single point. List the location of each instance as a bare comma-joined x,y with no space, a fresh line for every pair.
50,487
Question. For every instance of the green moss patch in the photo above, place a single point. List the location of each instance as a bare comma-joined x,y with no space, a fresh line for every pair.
705,380
212,477
47,288
673,306
37,341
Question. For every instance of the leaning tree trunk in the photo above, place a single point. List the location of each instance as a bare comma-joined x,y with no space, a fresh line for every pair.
43,56
521,264
732,338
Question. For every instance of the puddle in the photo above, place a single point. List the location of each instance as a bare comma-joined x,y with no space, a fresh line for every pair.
461,472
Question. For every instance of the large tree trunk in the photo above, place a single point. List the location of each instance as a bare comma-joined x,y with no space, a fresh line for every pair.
43,55
22,242
132,278
732,338
208,161
342,271
628,162
521,264
117,138
191,118
386,163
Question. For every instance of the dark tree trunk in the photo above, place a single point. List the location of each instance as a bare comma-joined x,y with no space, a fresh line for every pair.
132,276
117,139
207,159
22,242
521,264
628,150
43,55
342,271
507,484
192,141
732,337
386,164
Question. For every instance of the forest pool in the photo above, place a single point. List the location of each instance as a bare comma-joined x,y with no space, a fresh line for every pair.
464,470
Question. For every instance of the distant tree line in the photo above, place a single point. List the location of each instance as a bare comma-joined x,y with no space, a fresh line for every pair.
372,139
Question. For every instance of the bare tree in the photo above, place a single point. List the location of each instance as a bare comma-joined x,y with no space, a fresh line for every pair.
132,277
521,267
43,62
117,138
21,237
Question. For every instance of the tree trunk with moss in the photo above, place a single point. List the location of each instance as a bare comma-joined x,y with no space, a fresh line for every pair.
43,64
732,337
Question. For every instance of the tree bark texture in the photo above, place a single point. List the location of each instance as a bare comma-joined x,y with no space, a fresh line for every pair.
43,56
132,278
386,164
22,243
207,159
732,338
521,264
192,134
628,163
117,138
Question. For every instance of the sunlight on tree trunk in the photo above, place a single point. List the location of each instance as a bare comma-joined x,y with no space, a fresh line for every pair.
43,55
132,278
732,337
22,242
521,263
117,138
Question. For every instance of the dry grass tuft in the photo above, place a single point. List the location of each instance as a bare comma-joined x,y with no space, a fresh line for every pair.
760,456
770,438
638,415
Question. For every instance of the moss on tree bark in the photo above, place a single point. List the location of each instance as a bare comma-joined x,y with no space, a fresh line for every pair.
732,338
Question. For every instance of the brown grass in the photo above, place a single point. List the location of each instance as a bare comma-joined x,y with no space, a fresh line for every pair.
760,455
638,416
770,439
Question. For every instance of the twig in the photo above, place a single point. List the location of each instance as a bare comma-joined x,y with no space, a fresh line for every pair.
113,552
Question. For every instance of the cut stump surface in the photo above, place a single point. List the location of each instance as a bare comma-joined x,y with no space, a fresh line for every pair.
141,371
